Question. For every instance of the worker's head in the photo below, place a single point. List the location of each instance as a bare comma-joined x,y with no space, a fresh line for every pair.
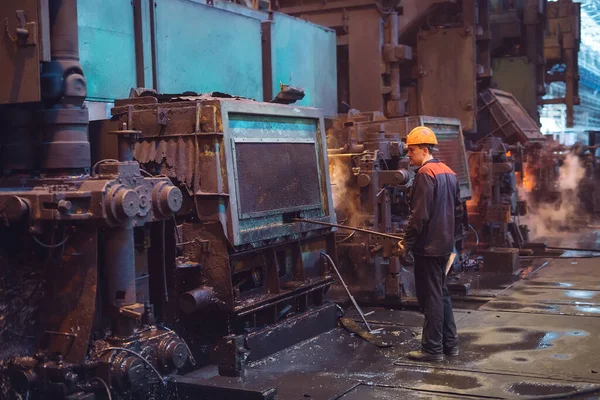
420,142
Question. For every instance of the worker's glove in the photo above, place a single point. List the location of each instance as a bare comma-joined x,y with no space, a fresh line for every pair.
402,250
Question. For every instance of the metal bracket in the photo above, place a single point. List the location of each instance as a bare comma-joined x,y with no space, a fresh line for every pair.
26,32
161,116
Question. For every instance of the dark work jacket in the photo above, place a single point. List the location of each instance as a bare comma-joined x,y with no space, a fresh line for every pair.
435,210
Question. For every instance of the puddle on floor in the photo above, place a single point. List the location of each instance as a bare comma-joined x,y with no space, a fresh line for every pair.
539,389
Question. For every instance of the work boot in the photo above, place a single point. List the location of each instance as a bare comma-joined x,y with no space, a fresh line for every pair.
420,355
451,352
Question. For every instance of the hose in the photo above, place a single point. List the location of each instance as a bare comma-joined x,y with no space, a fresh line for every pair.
476,234
51,246
346,238
103,384
102,162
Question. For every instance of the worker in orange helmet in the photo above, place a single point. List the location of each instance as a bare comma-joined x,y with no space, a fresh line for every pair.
435,210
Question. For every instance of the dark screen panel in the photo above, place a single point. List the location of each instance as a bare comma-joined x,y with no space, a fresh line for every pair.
277,176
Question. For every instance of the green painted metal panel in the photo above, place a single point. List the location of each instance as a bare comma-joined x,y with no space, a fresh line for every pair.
304,54
516,75
202,48
106,46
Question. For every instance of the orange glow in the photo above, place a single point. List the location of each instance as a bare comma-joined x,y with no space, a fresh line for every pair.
527,180
528,183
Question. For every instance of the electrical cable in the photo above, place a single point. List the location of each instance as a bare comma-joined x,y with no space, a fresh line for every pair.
164,260
135,353
476,235
143,171
102,162
51,246
346,238
96,378
176,230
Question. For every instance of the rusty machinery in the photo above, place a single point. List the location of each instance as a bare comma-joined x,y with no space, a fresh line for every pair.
533,44
443,56
371,180
247,170
496,163
409,57
71,231
88,252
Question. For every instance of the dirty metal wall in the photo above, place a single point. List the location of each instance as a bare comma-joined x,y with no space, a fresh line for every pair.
447,75
516,75
202,48
304,54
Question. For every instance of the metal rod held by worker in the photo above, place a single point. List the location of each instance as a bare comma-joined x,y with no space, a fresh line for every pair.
572,249
386,235
450,262
348,291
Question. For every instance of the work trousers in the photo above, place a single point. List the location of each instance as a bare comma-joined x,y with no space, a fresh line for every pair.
439,329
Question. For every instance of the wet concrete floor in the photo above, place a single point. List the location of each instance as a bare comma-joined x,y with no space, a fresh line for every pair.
537,338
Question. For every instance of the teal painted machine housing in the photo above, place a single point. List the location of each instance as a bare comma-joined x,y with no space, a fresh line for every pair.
205,49
304,54
271,125
107,48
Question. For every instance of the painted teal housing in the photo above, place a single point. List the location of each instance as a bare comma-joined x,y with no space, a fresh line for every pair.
203,48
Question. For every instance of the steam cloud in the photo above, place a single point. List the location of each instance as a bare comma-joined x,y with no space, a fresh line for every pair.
545,219
344,197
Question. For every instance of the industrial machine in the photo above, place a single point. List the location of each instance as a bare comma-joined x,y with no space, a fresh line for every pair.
247,170
371,180
104,290
496,164
460,59
535,44
71,227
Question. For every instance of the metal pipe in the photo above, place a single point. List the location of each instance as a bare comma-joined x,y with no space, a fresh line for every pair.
395,67
197,299
386,235
65,149
119,259
64,30
573,249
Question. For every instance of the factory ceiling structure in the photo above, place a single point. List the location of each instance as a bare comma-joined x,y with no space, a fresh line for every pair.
587,114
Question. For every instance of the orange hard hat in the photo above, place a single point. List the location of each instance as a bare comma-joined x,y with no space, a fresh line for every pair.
421,135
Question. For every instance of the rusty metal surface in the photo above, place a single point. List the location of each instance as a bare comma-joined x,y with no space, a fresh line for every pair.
292,185
70,299
516,75
21,58
200,137
447,76
503,116
561,49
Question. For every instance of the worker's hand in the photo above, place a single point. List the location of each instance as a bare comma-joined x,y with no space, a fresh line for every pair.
401,250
